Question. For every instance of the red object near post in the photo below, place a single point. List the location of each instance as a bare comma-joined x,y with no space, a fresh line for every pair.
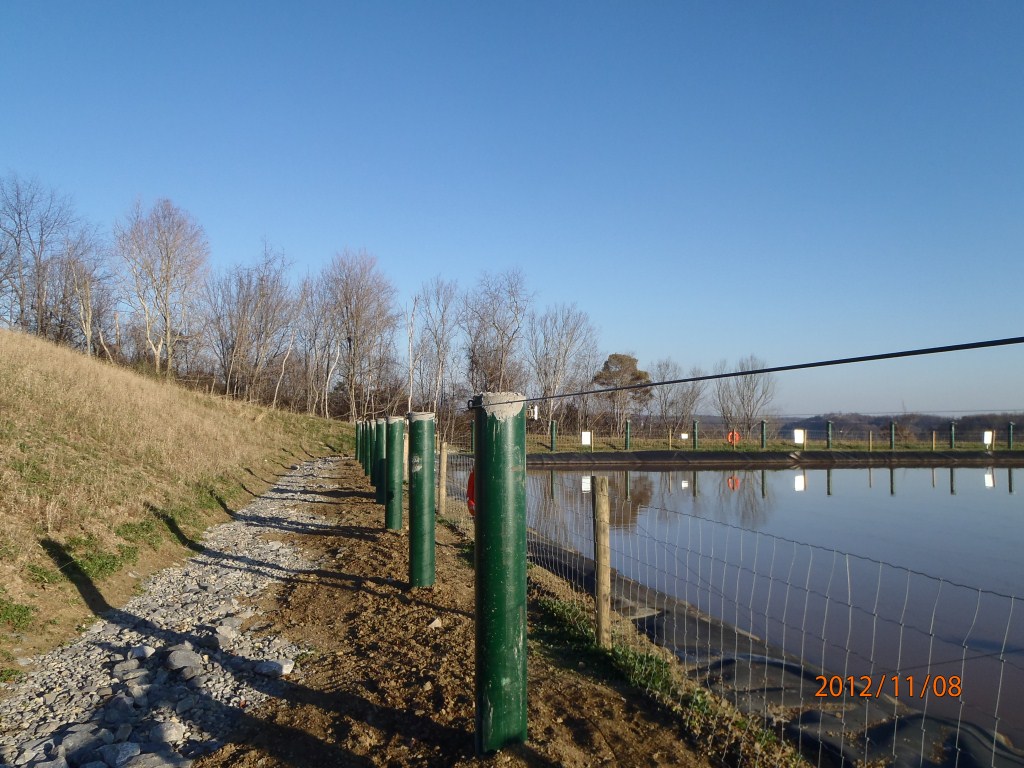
733,437
471,493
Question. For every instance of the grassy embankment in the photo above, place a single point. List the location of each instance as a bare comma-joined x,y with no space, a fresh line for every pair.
107,476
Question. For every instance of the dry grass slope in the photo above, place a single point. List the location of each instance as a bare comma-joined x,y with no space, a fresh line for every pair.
101,468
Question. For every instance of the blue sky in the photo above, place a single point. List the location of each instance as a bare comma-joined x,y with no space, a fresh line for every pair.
797,180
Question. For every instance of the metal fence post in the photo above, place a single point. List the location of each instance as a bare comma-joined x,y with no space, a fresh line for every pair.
828,435
764,434
602,560
892,435
627,434
500,558
696,441
554,435
1009,436
394,473
421,499
379,457
952,435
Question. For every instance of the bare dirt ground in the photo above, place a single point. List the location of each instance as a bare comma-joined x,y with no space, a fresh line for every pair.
389,677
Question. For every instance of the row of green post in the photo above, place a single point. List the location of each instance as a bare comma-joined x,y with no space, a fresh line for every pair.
380,449
499,448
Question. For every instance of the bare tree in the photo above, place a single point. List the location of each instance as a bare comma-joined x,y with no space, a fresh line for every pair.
559,343
493,313
165,254
33,222
676,404
440,317
744,400
249,313
362,299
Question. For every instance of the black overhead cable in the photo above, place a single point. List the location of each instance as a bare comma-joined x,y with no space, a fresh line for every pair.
793,367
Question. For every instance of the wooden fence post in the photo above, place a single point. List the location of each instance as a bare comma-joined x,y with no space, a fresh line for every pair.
602,558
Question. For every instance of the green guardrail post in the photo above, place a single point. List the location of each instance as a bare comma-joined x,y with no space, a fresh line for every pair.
421,500
627,434
371,433
500,559
371,446
553,429
828,435
364,447
380,459
472,439
358,434
892,435
394,473
764,434
360,442
952,435
696,440
1009,436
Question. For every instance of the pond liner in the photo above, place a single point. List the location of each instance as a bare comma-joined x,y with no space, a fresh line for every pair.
757,677
664,460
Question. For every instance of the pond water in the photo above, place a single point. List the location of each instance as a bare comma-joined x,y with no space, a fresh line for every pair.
874,573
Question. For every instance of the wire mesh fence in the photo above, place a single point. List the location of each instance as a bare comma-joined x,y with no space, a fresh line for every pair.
898,436
848,660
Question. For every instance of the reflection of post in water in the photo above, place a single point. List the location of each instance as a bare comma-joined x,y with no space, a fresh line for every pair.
693,482
828,482
870,484
892,481
739,492
952,481
551,484
764,484
629,496
933,477
1009,479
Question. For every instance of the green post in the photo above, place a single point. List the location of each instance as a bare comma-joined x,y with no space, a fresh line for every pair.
360,443
952,435
358,434
500,559
554,435
421,500
764,434
394,473
696,441
1009,436
367,450
828,436
892,435
371,447
472,439
627,434
379,459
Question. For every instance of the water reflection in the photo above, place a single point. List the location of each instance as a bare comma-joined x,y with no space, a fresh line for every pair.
925,578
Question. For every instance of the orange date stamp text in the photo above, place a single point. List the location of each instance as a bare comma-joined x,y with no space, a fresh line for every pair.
897,686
